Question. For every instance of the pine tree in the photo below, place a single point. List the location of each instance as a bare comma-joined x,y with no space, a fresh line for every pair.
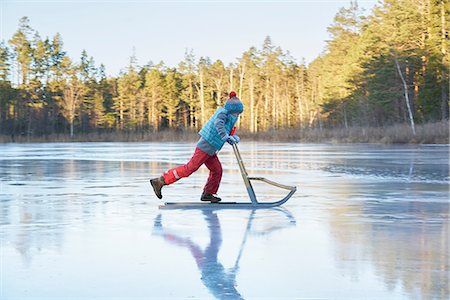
4,62
187,69
171,98
87,73
57,56
154,90
217,73
21,46
250,72
125,103
8,95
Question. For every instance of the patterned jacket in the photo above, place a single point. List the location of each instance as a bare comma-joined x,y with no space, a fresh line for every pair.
215,130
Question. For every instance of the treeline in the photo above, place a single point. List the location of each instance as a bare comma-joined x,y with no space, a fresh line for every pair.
387,68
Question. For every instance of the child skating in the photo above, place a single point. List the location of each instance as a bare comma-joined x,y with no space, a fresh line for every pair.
213,136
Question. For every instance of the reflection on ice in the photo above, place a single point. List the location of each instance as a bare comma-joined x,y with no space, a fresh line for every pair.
79,220
407,248
219,281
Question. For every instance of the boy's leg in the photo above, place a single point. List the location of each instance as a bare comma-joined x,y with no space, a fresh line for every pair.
196,161
215,175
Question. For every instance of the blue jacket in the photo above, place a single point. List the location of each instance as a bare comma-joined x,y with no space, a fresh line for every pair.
217,128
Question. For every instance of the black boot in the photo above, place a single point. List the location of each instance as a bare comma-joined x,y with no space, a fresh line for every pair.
157,184
210,197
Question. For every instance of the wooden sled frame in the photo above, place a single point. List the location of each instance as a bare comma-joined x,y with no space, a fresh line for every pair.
254,204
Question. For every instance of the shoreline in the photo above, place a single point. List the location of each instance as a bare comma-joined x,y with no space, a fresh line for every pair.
429,133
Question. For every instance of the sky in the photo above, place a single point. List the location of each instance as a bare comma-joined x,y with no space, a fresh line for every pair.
110,31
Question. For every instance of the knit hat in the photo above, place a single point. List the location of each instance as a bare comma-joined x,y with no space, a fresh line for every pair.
234,104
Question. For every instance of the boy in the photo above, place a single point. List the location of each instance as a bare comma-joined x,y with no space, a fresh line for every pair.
213,135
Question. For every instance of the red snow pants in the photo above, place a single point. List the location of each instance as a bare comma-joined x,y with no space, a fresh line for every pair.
199,158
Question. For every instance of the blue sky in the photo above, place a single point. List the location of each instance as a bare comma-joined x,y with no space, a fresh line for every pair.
163,30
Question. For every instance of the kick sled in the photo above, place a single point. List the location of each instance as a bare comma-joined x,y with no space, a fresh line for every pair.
254,204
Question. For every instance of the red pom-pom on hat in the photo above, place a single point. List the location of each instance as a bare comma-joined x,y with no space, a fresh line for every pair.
232,94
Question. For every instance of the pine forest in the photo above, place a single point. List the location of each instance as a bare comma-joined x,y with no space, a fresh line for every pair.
379,69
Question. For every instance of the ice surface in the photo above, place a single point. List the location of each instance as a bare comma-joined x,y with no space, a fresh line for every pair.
79,220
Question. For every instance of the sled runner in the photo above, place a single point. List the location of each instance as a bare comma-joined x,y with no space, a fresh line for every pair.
254,204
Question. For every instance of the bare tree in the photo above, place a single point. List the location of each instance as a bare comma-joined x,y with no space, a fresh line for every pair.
405,89
73,94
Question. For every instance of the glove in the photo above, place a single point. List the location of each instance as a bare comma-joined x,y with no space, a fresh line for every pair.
236,138
229,139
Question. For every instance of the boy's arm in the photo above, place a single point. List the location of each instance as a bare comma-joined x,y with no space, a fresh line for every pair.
219,123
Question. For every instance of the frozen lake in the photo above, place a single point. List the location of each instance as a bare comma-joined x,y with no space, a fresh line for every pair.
81,221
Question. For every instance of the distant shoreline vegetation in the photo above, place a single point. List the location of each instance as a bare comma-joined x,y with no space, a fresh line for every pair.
431,133
382,77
